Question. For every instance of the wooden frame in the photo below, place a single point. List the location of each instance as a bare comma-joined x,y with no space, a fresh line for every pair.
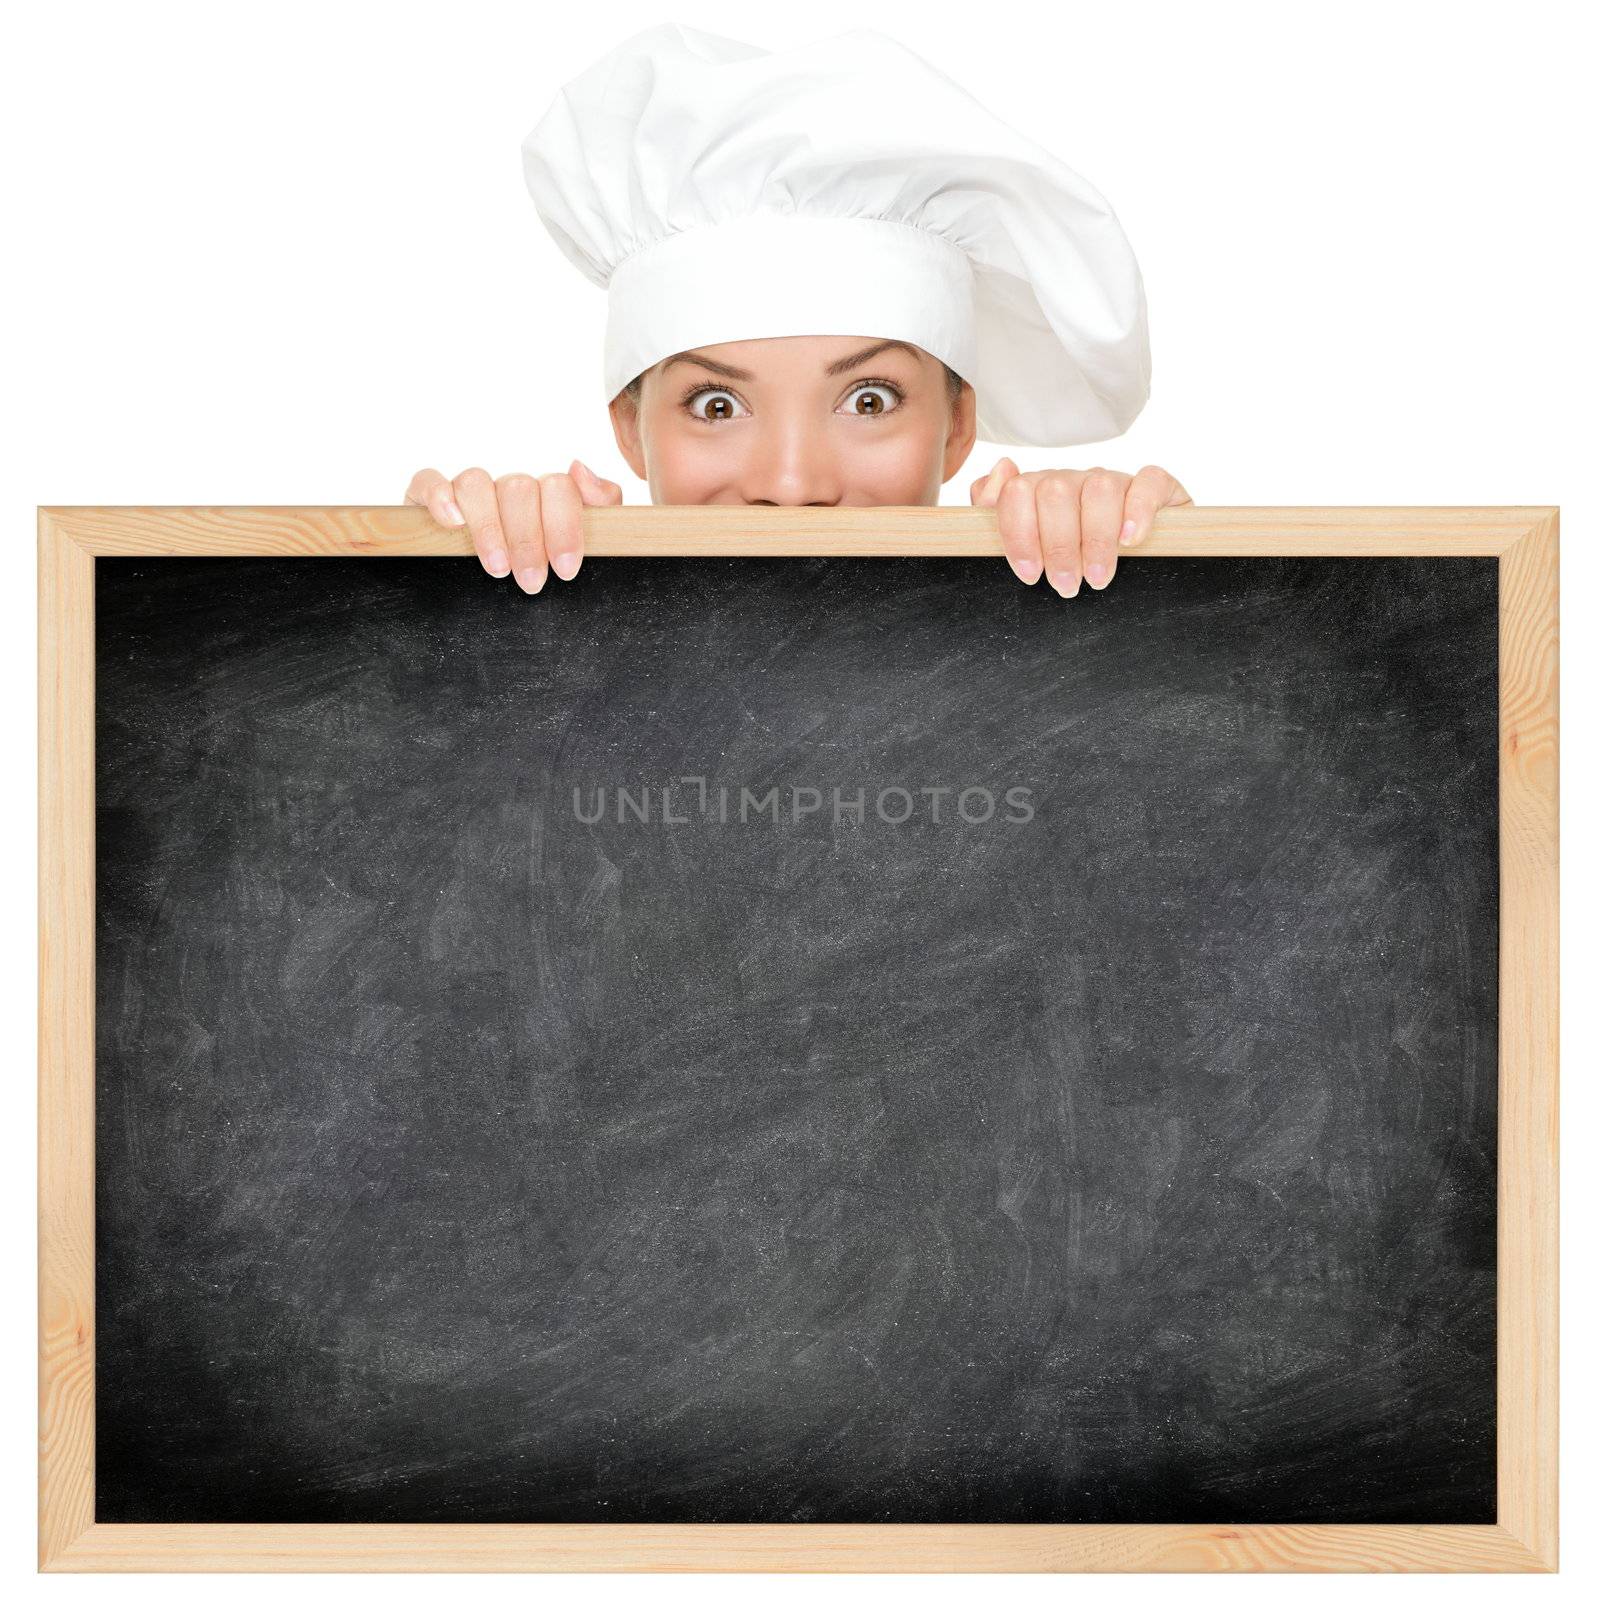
1524,539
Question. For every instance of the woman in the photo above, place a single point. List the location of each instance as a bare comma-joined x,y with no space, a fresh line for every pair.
741,207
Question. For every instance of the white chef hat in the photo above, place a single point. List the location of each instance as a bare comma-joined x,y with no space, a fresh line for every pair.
718,191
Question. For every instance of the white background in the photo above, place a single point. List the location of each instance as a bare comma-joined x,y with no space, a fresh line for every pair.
283,255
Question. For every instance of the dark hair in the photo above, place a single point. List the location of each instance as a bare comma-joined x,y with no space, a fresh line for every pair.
952,379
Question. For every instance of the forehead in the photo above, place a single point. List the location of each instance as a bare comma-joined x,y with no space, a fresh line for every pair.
815,347
795,354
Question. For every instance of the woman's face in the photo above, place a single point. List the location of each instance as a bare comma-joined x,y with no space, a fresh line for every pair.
812,420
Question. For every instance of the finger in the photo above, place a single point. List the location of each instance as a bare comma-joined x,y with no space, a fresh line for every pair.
1019,534
524,525
1152,488
1057,497
1018,520
1100,518
432,489
985,491
475,494
561,509
595,490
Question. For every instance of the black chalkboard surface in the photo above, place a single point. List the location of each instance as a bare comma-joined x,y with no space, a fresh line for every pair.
526,1091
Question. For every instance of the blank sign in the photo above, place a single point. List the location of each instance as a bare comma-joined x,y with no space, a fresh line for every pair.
819,1039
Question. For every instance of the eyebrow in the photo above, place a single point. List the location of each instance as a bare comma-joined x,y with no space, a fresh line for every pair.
843,365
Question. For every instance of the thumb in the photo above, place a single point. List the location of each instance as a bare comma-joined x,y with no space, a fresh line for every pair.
594,490
986,491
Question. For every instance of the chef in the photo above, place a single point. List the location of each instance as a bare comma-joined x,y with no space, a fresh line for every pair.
829,271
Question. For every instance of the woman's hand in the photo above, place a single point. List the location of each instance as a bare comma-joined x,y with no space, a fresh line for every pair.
520,524
1068,525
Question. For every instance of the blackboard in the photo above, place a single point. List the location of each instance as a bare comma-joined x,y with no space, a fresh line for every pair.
462,1155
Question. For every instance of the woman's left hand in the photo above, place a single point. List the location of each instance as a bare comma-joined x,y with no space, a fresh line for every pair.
1069,525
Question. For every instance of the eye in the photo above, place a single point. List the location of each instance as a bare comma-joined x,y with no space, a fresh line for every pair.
712,405
872,398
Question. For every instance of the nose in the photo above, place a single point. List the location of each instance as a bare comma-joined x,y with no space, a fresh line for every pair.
795,467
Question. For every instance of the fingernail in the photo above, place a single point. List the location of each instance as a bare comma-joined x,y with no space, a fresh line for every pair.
1060,580
497,563
531,580
1128,531
452,513
565,564
1096,574
1028,571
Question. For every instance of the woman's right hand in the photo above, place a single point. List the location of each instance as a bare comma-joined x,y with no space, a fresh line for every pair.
520,524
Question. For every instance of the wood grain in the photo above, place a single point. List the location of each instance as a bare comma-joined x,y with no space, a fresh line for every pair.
1525,539
66,1043
823,1547
785,531
1529,1038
